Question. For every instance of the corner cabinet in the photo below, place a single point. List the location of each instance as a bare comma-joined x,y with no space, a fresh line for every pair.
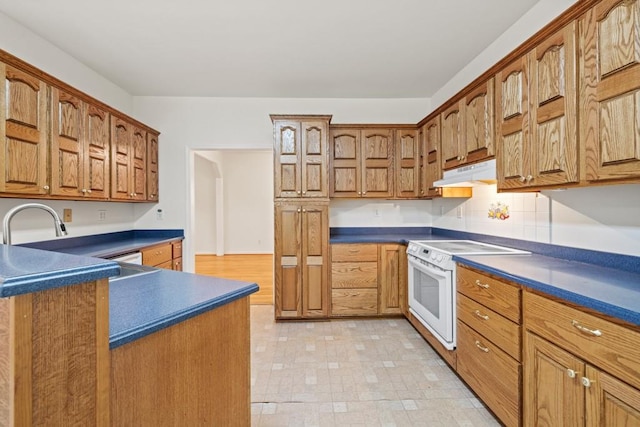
301,150
301,260
153,190
609,89
361,162
23,134
580,370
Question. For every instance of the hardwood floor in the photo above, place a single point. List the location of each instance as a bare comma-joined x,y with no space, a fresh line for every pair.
257,268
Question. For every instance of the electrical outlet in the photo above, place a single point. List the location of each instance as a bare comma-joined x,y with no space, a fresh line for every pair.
66,213
102,215
159,215
459,212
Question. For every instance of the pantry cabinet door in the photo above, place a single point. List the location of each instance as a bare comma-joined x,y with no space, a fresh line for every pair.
67,144
610,90
512,125
287,154
377,163
287,261
315,260
23,141
554,139
314,160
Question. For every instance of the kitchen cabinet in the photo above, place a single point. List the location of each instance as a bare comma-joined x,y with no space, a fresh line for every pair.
153,190
23,137
407,164
432,166
361,162
79,148
128,160
368,279
609,90
537,121
579,369
488,341
165,255
467,128
301,259
301,155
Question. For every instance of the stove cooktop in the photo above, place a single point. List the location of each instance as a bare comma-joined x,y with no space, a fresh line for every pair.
466,247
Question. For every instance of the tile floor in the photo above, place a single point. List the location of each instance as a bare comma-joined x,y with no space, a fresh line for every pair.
353,373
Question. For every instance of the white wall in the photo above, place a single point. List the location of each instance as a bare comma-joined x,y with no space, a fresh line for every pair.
206,173
380,213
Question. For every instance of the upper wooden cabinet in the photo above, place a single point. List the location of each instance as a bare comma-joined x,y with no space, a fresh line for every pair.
407,163
23,134
432,165
610,90
467,128
536,116
301,156
79,148
361,162
152,167
128,160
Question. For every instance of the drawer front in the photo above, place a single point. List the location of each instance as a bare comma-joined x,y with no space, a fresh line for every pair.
354,302
157,255
497,295
616,349
176,249
498,329
354,252
354,275
491,373
167,265
177,264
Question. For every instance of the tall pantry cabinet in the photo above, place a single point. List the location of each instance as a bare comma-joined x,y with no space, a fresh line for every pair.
301,237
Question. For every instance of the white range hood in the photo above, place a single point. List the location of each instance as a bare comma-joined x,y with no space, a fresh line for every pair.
469,176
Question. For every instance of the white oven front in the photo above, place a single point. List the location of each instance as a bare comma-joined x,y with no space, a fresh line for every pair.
431,299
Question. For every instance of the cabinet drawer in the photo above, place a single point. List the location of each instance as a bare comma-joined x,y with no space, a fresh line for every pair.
498,329
157,254
491,373
177,264
354,252
354,275
176,248
354,302
497,295
616,349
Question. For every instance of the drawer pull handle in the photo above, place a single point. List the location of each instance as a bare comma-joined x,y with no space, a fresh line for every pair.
482,316
482,285
571,373
481,347
578,326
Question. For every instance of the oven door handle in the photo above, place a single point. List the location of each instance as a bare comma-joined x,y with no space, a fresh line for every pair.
427,269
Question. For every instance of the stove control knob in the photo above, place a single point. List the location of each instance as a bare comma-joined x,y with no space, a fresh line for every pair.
440,258
433,256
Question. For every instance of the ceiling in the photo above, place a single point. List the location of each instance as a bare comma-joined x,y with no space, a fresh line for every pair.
272,48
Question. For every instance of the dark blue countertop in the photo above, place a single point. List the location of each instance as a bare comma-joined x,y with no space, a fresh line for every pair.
609,291
605,282
109,245
142,305
25,270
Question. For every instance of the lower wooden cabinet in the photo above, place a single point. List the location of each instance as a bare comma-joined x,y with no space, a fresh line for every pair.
579,369
301,260
368,279
166,255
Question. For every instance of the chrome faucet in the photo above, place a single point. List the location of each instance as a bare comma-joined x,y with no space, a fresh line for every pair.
61,230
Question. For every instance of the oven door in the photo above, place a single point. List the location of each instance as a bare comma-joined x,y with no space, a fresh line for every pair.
431,300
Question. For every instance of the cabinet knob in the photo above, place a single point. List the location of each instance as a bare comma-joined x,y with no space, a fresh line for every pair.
299,210
522,178
152,195
89,191
46,187
364,192
84,190
359,193
298,191
304,192
587,382
304,210
571,373
529,178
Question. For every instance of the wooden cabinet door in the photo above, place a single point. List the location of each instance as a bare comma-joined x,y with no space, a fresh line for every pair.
121,147
433,165
452,133
610,90
377,163
512,117
139,164
552,391
345,180
407,164
288,157
314,160
315,260
23,142
67,144
554,140
478,142
152,167
392,271
609,401
96,154
287,260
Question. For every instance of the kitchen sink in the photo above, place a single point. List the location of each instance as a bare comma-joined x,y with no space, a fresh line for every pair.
130,270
